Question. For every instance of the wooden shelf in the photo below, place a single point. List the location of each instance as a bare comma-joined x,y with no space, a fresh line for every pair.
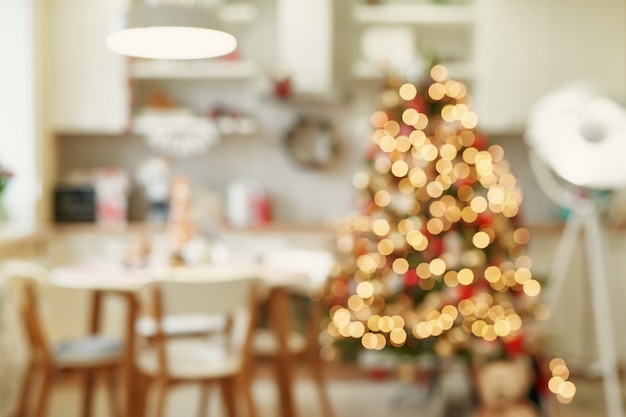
193,70
421,13
238,13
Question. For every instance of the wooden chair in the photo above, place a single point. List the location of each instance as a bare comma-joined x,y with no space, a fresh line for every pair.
302,344
87,355
218,357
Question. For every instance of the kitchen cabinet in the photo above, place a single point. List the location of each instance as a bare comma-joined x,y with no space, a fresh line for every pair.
394,34
509,53
225,90
87,82
377,37
96,91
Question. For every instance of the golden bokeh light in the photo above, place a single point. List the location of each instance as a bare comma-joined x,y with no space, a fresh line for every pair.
521,236
399,168
387,143
417,240
398,336
382,198
437,266
382,165
367,264
532,288
423,270
410,116
454,89
479,204
378,119
381,227
385,247
360,180
407,91
481,240
469,120
400,266
418,177
392,128
450,279
365,289
439,72
434,189
465,276
403,143
355,303
429,152
436,91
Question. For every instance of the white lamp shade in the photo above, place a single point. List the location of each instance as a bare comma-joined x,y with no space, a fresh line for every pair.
581,136
170,32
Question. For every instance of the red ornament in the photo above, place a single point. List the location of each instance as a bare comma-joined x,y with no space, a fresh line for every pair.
418,104
410,278
378,374
514,345
465,292
406,129
480,141
484,219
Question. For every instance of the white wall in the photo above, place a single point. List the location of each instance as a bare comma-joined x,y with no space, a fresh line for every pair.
18,106
524,48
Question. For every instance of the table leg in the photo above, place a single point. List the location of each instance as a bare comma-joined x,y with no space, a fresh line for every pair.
94,327
280,316
130,377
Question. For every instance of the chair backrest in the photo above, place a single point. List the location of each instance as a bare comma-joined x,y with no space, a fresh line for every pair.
316,264
27,282
234,297
206,296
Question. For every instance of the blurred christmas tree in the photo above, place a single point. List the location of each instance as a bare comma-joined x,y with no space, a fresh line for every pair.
435,261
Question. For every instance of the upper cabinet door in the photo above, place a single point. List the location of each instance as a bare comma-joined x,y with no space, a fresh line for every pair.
526,48
88,84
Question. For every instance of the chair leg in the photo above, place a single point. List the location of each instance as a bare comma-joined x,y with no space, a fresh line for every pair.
46,384
162,387
245,383
143,383
88,394
111,382
228,396
204,399
24,395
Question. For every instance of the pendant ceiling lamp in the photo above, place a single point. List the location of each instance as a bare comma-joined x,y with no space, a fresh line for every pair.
167,31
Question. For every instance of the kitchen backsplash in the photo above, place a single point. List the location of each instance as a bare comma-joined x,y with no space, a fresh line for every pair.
296,195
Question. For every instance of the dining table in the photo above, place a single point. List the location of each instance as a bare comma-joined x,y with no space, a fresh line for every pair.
112,278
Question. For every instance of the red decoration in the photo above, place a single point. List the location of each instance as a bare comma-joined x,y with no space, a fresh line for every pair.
410,278
514,345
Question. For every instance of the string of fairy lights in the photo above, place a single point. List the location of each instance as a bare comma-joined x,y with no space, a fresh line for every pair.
437,251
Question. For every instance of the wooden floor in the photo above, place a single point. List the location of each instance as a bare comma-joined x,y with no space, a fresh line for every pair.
353,391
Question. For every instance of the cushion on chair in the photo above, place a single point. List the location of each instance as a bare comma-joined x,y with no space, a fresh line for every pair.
192,358
88,351
181,325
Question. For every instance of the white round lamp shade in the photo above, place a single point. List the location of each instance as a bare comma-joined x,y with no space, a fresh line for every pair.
581,136
170,32
171,42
